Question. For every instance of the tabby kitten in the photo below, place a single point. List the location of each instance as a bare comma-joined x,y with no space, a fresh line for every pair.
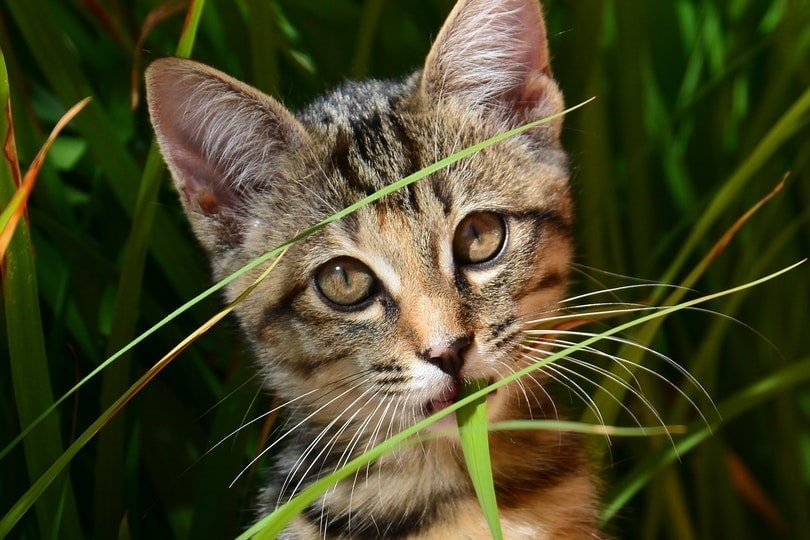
371,324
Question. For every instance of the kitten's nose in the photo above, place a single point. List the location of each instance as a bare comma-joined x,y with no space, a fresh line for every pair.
450,357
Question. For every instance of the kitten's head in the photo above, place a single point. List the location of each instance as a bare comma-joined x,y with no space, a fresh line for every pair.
387,309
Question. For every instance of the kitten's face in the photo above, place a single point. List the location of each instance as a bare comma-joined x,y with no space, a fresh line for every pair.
427,286
382,314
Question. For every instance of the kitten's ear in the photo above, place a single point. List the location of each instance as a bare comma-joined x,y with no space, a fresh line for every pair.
491,56
223,141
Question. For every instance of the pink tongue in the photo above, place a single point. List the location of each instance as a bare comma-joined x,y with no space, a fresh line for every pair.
445,400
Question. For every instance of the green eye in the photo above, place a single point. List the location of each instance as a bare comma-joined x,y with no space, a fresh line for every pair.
345,281
479,238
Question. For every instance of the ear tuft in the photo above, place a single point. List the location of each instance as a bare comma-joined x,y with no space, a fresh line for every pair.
491,56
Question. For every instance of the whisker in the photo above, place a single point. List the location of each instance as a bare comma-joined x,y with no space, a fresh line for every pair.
623,361
613,290
372,439
306,419
606,373
329,445
628,309
262,416
538,384
552,371
583,269
227,396
564,344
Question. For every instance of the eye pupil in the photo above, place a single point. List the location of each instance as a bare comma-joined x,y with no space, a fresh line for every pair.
345,281
479,238
344,274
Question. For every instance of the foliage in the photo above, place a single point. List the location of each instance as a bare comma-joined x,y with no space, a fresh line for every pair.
701,109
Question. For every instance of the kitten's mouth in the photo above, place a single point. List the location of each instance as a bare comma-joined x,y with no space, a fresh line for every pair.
445,399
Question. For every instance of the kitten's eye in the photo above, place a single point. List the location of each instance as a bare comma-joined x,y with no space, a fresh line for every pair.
479,238
345,281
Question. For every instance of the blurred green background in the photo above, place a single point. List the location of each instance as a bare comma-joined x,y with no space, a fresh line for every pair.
702,107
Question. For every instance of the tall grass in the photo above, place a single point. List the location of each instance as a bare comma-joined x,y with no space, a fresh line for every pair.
701,109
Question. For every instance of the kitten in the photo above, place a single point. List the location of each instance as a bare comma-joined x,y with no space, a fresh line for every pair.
372,323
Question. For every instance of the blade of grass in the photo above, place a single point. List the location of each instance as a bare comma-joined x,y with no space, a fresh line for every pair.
158,14
708,353
26,346
633,41
263,49
587,429
215,514
16,207
365,38
62,69
271,525
110,453
472,427
611,390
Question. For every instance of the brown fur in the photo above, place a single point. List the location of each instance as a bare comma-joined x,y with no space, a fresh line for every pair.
251,175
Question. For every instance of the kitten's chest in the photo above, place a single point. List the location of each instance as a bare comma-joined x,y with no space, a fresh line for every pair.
423,491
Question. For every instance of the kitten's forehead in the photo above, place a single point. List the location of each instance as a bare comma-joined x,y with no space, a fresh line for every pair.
365,136
368,135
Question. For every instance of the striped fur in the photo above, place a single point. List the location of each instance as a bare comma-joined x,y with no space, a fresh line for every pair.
251,175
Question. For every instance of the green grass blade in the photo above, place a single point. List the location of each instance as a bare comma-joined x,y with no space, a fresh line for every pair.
585,428
109,476
613,388
472,426
365,38
63,71
793,120
19,509
26,347
189,33
741,402
263,48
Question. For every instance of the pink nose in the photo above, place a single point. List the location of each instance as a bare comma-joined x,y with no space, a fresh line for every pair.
449,357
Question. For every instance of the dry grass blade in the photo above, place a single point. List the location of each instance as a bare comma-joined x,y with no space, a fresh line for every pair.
721,244
646,334
16,208
157,15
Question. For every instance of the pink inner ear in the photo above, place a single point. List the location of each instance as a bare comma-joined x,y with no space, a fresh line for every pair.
174,92
206,200
534,36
